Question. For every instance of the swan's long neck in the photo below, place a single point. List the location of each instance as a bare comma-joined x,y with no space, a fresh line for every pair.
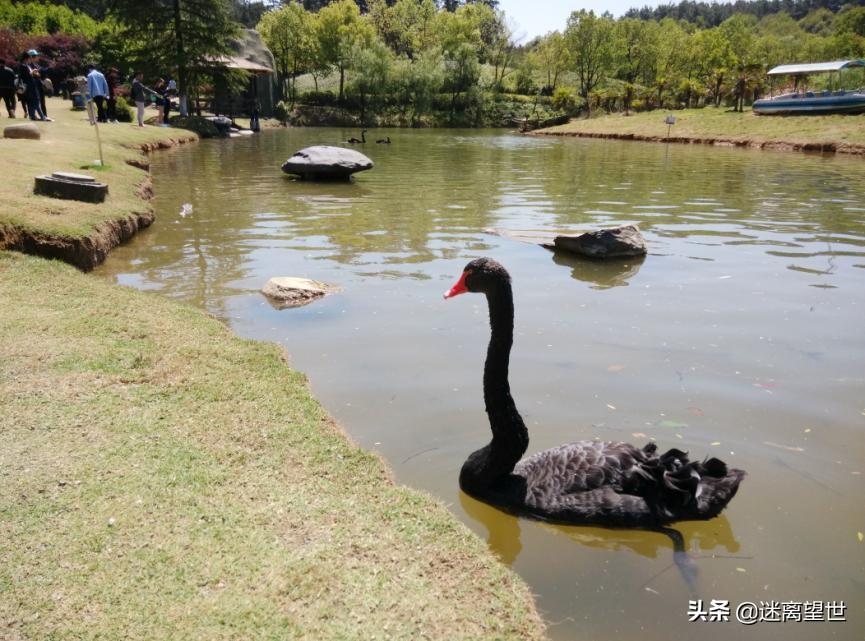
510,436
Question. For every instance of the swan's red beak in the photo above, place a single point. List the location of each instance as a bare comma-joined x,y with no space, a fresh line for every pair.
458,288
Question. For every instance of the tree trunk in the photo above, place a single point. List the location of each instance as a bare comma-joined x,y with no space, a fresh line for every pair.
341,82
182,79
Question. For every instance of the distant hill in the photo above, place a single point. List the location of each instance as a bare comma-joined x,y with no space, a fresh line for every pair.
711,14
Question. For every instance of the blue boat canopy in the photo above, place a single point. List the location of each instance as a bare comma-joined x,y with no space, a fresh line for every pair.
815,67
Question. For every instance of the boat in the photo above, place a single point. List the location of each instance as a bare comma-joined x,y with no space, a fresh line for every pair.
839,101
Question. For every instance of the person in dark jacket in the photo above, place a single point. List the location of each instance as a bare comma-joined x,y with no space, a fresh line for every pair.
8,79
30,77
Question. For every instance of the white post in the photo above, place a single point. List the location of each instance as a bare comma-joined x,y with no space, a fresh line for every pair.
94,122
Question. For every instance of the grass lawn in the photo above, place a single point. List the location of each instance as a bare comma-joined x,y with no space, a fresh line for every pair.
69,144
720,124
163,479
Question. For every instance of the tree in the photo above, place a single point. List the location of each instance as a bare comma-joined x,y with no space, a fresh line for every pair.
371,66
341,32
186,35
714,59
589,40
289,33
551,57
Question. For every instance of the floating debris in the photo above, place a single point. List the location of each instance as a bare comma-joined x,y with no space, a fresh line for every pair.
185,210
789,448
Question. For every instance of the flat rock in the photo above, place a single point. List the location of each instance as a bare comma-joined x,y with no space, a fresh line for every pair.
285,291
325,162
604,243
26,130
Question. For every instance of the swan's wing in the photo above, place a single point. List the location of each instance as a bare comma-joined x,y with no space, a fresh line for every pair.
579,467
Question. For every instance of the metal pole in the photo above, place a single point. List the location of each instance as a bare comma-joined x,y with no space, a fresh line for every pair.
96,127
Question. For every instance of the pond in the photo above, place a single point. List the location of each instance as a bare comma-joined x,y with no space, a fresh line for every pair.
739,336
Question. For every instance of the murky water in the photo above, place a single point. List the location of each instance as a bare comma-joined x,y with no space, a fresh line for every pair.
740,335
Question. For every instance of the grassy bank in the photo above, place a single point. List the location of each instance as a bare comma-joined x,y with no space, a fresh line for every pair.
162,479
844,134
83,230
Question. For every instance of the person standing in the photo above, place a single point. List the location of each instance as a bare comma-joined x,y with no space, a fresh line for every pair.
169,91
44,85
113,79
8,80
139,96
97,91
31,80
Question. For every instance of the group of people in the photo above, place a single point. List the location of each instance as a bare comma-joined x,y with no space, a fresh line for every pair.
101,90
26,83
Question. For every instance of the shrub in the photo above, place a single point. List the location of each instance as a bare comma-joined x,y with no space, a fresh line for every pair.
281,112
124,112
564,99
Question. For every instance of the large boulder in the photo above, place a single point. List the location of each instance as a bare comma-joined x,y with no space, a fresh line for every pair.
27,130
286,291
604,243
323,162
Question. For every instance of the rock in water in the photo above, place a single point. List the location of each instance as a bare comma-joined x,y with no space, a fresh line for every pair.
605,243
328,163
24,130
285,291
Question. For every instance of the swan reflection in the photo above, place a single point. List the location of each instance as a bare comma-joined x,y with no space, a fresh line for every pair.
600,274
700,538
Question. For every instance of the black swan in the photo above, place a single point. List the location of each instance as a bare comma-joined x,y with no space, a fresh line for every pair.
587,482
383,141
355,141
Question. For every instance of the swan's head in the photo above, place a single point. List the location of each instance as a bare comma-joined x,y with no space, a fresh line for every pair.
479,277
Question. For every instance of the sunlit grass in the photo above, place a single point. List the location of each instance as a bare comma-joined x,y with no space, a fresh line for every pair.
162,479
727,125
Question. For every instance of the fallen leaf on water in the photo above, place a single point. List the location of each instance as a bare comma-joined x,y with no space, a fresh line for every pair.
696,411
789,448
807,430
679,436
765,385
638,435
741,570
715,443
612,407
648,589
673,424
860,536
615,368
724,277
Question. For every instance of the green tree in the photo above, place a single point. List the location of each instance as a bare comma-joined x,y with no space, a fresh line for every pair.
182,35
590,43
341,32
551,57
371,69
289,33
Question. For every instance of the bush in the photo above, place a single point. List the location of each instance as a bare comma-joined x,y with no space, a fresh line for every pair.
124,111
565,100
317,98
281,112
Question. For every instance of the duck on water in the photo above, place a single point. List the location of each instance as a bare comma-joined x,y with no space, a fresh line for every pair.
586,482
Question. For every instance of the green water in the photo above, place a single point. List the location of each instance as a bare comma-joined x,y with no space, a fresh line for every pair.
740,336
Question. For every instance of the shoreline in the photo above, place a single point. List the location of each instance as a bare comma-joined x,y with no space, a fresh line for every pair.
79,233
87,252
768,145
828,134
